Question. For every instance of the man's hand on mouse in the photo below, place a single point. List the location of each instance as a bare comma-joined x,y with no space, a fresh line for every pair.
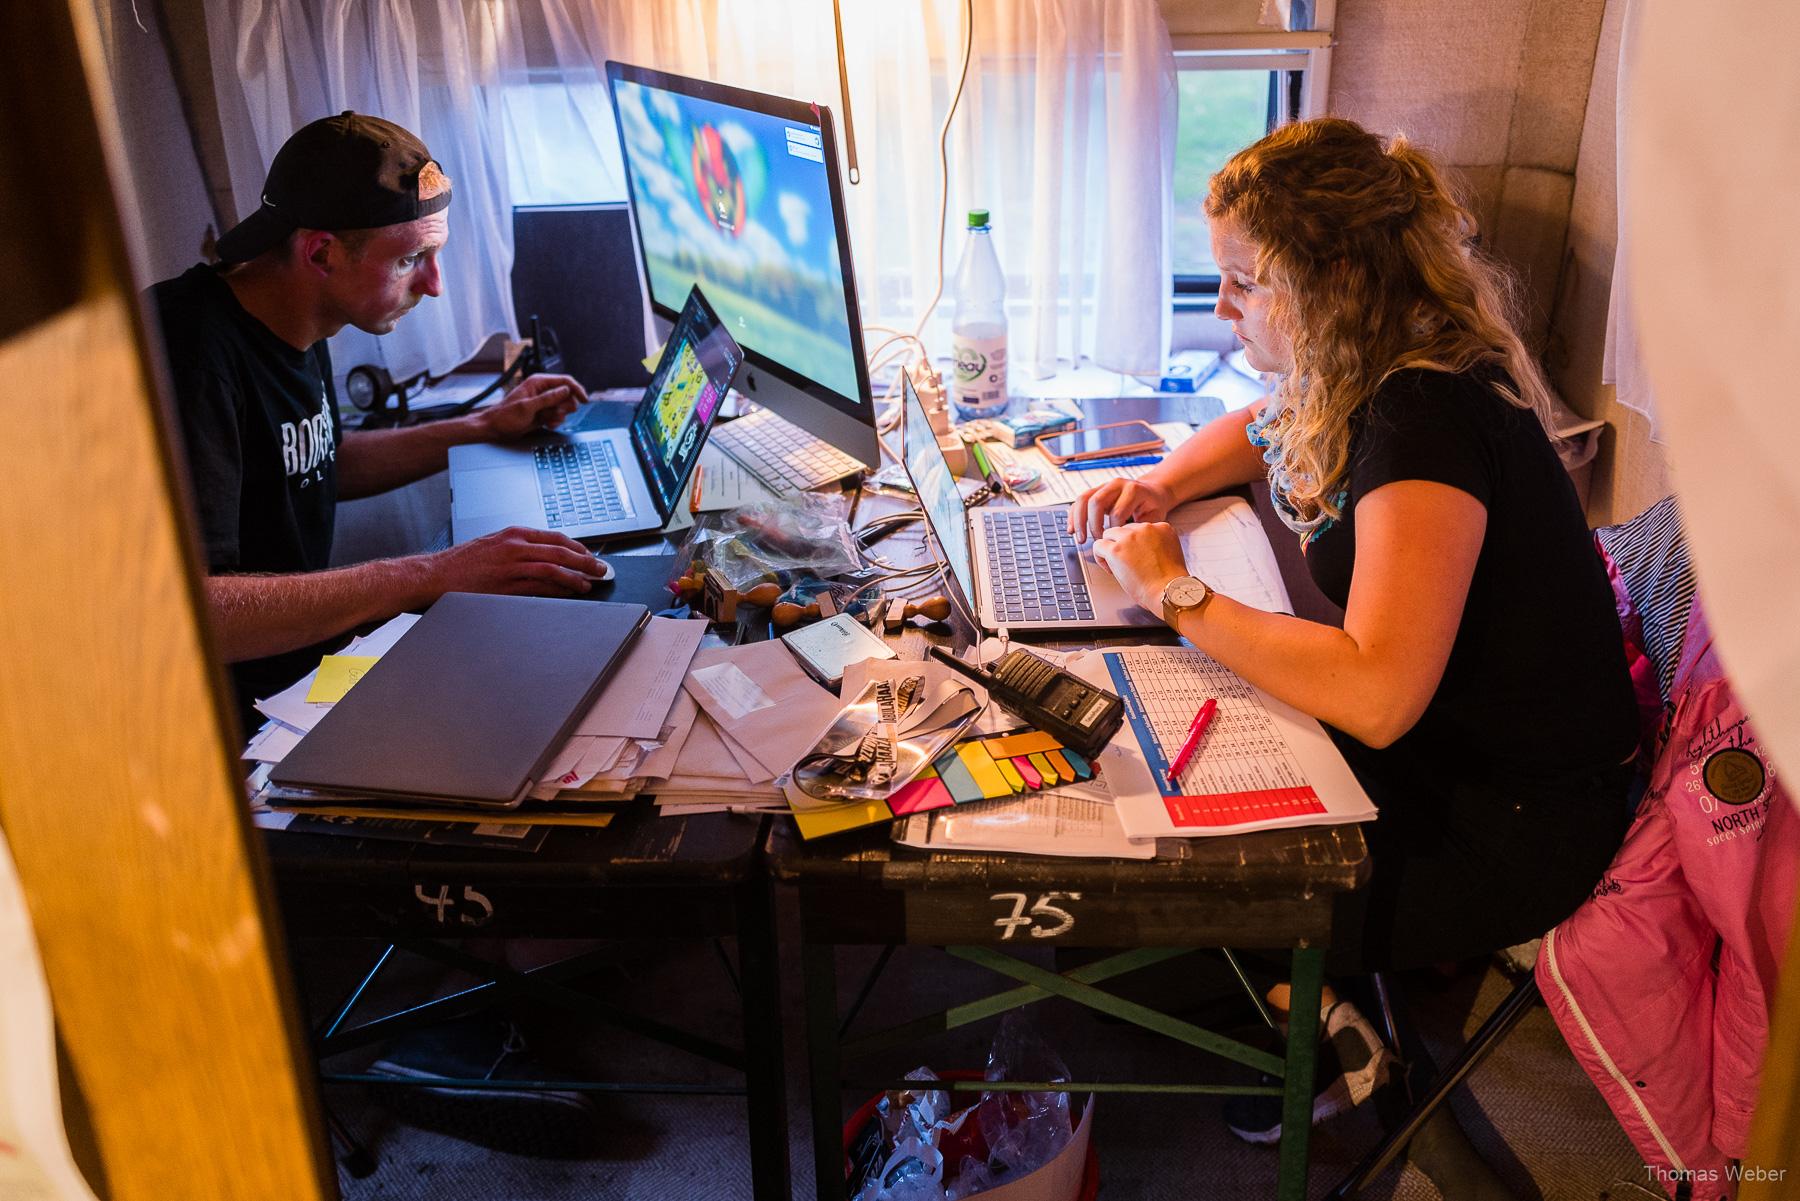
521,561
536,403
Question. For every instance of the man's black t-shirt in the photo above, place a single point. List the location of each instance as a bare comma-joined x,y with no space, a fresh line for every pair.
1536,683
259,420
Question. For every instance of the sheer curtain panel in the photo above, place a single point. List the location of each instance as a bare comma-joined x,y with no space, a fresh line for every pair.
425,64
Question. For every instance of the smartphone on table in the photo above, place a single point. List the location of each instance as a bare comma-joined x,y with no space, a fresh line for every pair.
1100,442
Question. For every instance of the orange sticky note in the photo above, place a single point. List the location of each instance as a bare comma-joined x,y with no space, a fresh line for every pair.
1045,769
1027,742
1061,765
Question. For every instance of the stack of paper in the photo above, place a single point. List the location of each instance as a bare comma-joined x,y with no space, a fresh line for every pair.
295,710
701,729
751,712
1262,764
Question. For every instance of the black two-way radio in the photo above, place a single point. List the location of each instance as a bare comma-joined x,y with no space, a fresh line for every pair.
1076,713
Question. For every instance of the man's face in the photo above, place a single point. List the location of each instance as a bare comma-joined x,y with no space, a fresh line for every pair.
1244,301
374,288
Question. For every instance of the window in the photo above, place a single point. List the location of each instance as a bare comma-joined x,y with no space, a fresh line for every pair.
561,144
1228,99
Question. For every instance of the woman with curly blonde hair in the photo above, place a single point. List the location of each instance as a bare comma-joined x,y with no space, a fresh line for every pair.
1478,685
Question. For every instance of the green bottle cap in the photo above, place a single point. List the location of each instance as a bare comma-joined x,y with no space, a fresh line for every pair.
977,218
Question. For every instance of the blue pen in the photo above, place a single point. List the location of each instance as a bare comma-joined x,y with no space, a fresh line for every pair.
1127,461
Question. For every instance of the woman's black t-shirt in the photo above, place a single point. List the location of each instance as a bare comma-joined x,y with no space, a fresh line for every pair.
1536,684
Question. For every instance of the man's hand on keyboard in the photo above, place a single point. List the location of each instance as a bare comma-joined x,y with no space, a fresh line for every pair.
539,402
519,561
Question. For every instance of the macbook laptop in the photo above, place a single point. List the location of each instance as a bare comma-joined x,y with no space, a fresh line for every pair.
601,484
1017,568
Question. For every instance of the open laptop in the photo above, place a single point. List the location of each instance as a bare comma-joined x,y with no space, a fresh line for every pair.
601,484
1017,568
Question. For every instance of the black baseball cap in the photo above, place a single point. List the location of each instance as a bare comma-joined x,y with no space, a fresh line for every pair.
342,172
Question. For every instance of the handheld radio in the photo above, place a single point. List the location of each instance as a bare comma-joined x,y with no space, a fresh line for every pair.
1075,712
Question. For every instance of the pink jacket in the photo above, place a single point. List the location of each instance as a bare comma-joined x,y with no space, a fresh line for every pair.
1661,983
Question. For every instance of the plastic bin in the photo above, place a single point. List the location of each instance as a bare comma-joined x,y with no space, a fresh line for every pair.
865,1113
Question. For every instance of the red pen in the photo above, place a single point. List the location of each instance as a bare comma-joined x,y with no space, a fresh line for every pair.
1201,720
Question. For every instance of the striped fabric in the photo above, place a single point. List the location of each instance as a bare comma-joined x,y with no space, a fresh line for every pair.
1651,558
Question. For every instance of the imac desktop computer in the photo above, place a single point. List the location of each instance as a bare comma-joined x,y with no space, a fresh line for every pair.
739,192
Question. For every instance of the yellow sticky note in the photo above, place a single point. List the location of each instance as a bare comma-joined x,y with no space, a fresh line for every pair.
336,674
829,819
1013,779
1051,777
981,767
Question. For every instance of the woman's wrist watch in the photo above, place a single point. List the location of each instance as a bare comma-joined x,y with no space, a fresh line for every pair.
1183,594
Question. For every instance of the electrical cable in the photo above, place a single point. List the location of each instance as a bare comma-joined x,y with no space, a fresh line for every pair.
890,417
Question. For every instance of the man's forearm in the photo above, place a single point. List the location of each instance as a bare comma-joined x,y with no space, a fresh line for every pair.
372,461
259,615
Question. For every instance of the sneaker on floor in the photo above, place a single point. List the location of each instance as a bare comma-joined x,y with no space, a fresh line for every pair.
1352,1063
546,1123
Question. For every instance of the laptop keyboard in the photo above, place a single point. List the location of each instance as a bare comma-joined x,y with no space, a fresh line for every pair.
1034,566
581,483
782,456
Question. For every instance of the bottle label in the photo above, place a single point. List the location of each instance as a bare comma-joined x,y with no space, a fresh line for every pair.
980,372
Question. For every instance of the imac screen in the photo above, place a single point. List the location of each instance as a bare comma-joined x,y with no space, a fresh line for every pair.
739,201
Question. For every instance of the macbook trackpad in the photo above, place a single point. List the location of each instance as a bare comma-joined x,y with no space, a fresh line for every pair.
494,490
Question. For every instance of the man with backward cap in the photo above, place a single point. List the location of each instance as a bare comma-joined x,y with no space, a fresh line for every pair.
348,232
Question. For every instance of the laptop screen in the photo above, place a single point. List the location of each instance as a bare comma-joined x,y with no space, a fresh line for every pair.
935,484
690,383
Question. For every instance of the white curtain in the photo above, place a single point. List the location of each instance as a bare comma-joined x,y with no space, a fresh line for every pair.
1716,288
423,64
1623,365
1065,132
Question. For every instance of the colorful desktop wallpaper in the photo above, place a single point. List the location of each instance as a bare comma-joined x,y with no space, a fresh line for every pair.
739,202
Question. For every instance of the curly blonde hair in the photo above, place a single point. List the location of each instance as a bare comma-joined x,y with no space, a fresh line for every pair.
1372,267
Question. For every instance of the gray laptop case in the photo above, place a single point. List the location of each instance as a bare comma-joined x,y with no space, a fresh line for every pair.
470,705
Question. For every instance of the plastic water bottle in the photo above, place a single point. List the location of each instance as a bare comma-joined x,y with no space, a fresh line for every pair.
978,331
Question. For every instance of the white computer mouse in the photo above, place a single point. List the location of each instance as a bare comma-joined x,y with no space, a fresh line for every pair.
603,569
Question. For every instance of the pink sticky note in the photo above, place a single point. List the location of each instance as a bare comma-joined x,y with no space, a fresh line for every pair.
916,796
1028,772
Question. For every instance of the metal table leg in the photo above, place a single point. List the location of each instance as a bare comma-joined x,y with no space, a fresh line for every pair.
1297,1076
819,969
764,1070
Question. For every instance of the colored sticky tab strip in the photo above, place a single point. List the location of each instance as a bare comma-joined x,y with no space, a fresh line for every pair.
1051,779
926,792
335,676
815,823
981,767
1030,742
1061,765
1014,780
1082,768
957,779
1028,773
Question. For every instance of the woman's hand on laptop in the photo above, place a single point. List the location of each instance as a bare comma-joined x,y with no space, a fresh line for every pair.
537,402
1115,503
1143,557
519,560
